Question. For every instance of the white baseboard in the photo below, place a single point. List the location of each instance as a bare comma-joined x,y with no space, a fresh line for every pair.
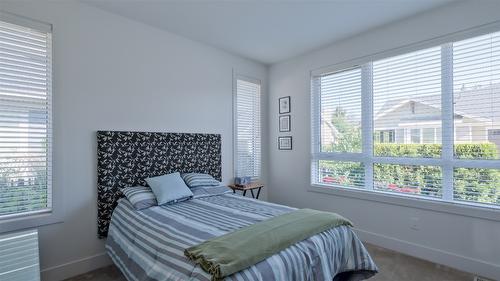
474,266
76,267
479,267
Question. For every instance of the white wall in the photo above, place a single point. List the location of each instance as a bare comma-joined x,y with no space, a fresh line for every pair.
117,74
470,244
111,73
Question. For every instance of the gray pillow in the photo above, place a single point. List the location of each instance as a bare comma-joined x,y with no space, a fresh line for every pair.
199,179
141,197
169,188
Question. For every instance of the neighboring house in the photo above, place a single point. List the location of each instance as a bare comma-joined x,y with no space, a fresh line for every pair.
418,120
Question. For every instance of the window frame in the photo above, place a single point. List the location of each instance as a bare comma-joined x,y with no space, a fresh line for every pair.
27,220
447,162
237,76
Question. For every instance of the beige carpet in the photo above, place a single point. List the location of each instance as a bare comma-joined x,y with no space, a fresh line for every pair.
393,266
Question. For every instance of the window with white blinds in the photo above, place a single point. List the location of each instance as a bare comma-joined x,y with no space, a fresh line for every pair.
247,128
340,103
476,92
422,124
25,118
407,93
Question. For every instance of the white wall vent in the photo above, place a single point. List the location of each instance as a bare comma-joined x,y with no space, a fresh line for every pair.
19,259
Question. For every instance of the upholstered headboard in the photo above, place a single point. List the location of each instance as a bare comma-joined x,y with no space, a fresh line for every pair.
127,158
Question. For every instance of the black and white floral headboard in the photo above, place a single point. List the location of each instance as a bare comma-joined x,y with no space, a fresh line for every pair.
127,158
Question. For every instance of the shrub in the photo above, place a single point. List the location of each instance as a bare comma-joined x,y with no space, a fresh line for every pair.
407,150
343,173
462,151
479,185
476,150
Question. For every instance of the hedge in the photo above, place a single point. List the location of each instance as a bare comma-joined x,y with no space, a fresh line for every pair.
462,151
470,184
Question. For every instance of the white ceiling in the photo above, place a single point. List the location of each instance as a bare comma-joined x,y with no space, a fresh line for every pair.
267,31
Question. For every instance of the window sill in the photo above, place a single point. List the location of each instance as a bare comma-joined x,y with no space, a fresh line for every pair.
29,221
464,209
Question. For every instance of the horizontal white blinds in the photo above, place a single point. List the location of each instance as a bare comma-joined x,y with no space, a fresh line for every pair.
248,129
409,179
407,99
340,109
342,173
19,259
476,92
25,119
426,114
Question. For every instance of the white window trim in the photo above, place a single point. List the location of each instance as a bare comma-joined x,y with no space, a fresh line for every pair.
447,162
55,214
406,200
237,76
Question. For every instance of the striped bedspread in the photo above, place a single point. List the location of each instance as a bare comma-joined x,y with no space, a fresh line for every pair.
149,244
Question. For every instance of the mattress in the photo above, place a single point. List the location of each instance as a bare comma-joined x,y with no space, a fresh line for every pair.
149,244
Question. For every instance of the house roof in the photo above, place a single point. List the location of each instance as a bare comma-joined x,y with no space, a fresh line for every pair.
481,103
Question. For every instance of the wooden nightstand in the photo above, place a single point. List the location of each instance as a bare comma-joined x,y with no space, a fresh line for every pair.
251,187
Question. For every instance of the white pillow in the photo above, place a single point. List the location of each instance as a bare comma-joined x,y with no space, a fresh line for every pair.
169,188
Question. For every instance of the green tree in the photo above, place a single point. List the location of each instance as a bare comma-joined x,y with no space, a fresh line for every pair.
349,135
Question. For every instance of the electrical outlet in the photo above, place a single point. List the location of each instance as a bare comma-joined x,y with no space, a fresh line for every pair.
415,223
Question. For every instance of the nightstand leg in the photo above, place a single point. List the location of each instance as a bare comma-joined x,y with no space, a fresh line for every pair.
251,191
258,192
244,192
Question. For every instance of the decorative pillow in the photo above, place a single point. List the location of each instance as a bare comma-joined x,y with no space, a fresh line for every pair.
141,197
169,188
198,179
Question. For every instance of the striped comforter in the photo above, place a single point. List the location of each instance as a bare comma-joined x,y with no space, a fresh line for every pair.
149,244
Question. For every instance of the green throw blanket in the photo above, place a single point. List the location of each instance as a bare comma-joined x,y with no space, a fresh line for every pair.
235,251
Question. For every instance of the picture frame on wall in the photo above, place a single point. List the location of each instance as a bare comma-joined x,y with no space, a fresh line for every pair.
285,143
284,123
284,105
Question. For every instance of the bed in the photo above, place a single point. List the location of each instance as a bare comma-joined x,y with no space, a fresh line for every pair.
149,244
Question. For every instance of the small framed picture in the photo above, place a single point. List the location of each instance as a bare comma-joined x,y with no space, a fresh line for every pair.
284,104
285,143
285,123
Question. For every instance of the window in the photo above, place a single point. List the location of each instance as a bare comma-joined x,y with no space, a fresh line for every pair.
429,135
247,128
384,136
25,119
415,135
476,94
409,125
340,104
342,173
406,94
